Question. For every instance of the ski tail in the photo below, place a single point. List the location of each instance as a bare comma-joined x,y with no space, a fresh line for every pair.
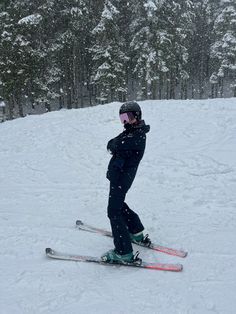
85,227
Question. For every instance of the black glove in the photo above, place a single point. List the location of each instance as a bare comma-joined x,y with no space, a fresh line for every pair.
111,146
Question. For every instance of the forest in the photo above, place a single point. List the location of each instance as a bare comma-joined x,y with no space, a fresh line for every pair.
58,54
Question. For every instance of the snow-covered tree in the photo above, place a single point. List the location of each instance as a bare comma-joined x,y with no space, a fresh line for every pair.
224,48
14,57
109,56
144,46
23,57
159,47
199,43
69,50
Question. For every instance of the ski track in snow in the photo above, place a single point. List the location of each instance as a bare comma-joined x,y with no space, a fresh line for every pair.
53,172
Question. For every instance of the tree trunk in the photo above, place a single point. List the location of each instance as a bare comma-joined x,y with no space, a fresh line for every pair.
184,91
221,86
172,86
20,106
154,89
11,109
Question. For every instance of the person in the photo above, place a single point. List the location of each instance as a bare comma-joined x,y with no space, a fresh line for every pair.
127,150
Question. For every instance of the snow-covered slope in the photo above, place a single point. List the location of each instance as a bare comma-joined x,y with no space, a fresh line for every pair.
52,172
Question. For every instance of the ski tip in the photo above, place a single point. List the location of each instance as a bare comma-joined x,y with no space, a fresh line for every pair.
182,254
79,222
180,267
176,268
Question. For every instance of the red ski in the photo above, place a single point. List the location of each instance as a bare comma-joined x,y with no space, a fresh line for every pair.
91,259
156,247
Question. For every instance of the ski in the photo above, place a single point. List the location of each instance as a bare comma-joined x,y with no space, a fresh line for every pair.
156,247
91,259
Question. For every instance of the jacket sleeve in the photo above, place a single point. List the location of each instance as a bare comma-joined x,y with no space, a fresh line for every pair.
113,144
131,143
118,160
125,145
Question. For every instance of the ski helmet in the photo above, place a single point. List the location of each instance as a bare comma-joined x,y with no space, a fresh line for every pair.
131,106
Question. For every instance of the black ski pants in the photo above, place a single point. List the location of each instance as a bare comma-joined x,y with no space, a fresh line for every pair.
123,220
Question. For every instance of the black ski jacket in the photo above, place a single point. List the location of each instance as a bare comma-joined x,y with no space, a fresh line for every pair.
127,150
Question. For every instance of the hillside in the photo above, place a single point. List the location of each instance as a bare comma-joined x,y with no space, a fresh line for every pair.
53,172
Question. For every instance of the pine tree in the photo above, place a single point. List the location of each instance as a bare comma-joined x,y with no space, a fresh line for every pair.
224,49
159,47
109,58
24,55
69,50
176,20
199,43
144,46
15,49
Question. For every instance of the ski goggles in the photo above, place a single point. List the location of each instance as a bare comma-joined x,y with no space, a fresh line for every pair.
126,117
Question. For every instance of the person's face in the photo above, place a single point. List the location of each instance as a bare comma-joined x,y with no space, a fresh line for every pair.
127,117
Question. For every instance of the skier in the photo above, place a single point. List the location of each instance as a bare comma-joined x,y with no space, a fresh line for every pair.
127,150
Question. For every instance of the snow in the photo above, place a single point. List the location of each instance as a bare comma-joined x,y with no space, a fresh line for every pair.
32,19
53,173
108,14
150,6
109,11
2,103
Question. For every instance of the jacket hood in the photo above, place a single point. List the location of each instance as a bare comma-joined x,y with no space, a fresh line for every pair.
142,125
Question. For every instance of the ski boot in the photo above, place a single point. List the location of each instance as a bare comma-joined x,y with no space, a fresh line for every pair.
113,257
140,239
